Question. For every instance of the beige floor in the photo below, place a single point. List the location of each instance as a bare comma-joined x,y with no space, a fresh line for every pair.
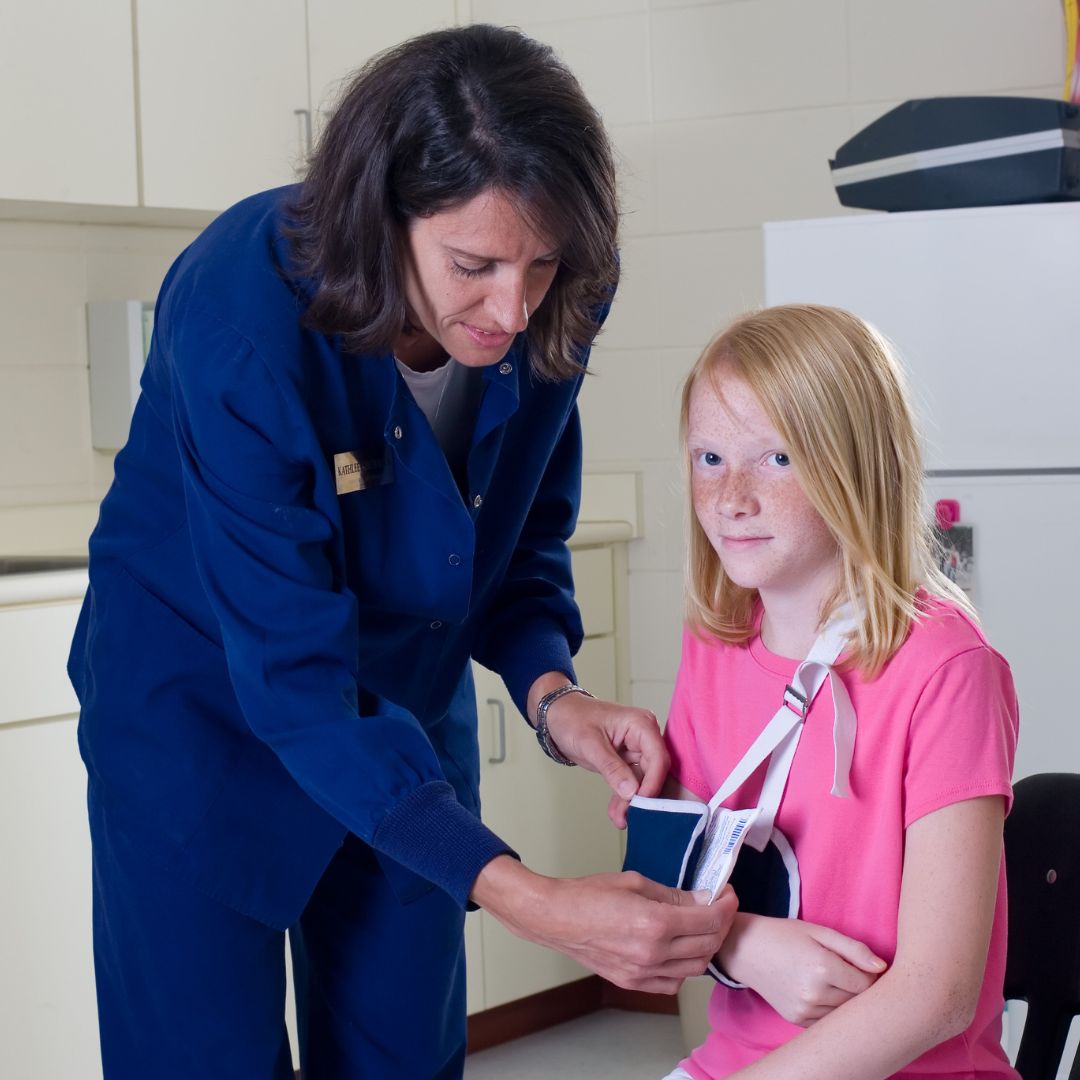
602,1046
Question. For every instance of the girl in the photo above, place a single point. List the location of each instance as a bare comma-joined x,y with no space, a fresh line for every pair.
807,507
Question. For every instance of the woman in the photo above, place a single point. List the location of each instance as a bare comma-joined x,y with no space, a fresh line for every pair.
354,465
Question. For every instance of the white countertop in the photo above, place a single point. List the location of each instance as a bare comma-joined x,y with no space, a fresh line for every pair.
44,588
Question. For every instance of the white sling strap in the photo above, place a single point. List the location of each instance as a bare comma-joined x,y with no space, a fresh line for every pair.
780,737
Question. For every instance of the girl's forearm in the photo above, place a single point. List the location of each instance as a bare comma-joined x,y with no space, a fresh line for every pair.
904,1014
930,994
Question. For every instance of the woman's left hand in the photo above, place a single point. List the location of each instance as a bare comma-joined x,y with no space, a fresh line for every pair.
620,742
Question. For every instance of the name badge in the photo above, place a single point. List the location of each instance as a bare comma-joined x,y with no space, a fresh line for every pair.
355,473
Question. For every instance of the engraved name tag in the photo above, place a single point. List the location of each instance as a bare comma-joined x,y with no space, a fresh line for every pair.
354,473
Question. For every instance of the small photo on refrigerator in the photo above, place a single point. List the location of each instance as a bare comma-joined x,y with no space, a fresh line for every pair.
956,555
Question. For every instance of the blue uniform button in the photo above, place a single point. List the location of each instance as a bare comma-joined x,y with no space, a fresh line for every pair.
477,501
455,560
398,432
436,624
505,368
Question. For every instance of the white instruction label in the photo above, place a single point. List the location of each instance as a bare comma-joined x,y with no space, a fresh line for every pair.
724,835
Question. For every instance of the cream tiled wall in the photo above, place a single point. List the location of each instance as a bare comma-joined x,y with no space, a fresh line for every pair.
48,273
724,113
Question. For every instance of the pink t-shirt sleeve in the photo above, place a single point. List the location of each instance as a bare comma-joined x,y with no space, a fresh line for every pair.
962,738
687,764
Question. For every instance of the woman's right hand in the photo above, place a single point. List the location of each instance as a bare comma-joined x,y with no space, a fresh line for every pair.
801,969
632,931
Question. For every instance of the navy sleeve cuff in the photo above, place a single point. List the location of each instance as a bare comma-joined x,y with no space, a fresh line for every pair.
432,834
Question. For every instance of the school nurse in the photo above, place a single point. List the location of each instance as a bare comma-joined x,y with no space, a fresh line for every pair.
354,467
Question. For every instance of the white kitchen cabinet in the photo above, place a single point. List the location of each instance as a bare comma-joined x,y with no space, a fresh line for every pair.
345,34
219,85
474,971
556,817
223,94
188,106
185,106
67,84
47,1009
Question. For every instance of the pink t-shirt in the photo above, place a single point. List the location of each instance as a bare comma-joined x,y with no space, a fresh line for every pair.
937,726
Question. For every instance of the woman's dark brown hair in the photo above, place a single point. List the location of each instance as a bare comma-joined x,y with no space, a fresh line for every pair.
428,125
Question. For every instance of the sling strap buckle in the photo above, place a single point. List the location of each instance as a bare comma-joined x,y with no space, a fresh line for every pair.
796,701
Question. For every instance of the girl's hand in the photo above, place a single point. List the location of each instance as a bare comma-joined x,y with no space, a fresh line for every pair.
620,742
802,970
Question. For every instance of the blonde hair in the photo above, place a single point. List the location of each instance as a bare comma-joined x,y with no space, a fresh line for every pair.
831,386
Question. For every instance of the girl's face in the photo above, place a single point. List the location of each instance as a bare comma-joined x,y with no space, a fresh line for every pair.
474,274
749,501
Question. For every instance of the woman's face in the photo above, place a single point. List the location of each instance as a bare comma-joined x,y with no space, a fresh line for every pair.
474,274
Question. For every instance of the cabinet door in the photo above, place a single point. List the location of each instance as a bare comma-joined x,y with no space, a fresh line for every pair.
67,83
47,1004
219,83
474,961
47,990
554,817
345,34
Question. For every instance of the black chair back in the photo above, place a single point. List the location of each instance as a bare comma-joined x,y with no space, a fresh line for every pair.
1042,863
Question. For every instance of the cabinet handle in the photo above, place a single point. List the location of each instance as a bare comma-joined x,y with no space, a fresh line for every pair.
305,130
500,757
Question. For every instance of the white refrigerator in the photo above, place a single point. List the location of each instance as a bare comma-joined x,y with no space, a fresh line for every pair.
982,305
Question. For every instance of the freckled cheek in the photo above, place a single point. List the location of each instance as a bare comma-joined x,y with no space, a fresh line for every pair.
789,506
789,502
702,497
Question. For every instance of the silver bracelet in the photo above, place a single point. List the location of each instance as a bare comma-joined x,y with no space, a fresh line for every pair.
543,736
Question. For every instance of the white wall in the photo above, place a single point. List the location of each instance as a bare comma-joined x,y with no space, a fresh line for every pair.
724,114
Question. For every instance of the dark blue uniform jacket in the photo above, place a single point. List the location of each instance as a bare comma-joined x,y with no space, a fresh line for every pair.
265,663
